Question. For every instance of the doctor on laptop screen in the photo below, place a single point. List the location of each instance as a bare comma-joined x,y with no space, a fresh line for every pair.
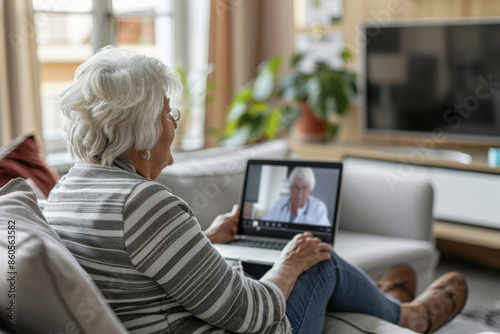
299,206
283,198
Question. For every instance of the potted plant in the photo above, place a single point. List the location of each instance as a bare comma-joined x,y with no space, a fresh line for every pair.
271,105
323,94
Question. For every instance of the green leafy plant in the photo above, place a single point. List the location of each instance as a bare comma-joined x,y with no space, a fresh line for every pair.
253,113
327,91
266,107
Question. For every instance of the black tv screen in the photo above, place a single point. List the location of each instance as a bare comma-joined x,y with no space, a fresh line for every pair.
426,77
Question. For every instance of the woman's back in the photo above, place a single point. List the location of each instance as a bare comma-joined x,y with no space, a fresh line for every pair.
148,256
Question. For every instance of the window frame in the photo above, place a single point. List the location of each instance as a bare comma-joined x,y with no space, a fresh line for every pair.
104,33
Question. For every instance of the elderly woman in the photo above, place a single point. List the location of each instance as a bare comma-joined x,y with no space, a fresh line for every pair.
145,250
300,207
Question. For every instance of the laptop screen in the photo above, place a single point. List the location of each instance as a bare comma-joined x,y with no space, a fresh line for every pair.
283,198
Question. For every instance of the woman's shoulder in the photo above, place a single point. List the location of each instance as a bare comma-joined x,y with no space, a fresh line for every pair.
86,176
87,173
153,191
93,171
149,188
134,187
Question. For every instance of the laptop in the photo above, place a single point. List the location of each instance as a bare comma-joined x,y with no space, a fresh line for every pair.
280,199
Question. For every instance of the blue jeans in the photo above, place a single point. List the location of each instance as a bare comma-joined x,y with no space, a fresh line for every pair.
336,285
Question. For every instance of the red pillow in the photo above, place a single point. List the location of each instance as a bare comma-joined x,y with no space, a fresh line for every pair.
20,158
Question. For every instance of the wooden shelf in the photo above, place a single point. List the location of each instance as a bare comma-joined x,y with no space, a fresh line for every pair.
473,235
419,156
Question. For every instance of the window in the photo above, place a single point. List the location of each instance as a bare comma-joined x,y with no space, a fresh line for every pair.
69,31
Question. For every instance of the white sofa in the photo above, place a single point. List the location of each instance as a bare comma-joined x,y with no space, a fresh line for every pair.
380,227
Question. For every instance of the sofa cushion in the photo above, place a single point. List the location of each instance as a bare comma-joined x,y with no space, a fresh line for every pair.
20,158
355,323
373,203
376,253
46,290
210,180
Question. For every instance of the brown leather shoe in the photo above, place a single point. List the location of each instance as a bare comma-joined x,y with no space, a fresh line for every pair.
399,282
443,300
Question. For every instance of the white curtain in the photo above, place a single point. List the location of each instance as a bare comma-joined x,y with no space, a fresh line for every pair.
20,110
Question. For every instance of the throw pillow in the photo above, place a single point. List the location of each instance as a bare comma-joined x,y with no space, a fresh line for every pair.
20,158
45,289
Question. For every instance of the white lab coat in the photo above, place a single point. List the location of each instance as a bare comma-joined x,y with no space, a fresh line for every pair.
313,213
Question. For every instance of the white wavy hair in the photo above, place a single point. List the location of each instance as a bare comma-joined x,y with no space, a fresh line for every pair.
114,104
303,173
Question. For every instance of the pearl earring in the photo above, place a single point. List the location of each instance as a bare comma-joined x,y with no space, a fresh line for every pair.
146,155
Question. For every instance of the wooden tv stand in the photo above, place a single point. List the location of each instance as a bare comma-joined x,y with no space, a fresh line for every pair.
416,155
468,241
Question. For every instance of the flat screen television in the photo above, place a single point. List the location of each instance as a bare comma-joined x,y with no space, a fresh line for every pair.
433,76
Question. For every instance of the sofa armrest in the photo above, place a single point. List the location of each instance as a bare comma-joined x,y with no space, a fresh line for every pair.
374,203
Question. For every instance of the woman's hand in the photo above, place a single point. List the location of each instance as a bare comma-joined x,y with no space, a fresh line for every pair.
300,254
224,226
304,251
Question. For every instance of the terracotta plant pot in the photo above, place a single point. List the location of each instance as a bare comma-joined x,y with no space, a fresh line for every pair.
308,127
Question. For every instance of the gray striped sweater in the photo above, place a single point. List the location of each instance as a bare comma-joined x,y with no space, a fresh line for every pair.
147,254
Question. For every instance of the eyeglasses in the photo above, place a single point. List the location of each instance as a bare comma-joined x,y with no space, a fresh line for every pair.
297,188
174,114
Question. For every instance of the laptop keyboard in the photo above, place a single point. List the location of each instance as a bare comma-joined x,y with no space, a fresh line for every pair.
279,245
